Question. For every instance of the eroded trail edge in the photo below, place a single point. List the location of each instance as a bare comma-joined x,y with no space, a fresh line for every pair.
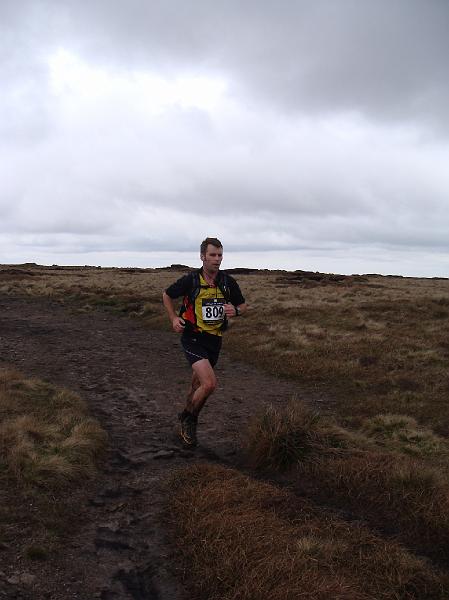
134,381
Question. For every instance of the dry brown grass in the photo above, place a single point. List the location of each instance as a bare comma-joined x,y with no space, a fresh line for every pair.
377,348
48,446
400,496
46,435
132,292
402,433
369,472
279,438
244,539
373,344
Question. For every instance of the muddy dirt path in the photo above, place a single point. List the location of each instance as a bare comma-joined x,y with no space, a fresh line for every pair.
134,381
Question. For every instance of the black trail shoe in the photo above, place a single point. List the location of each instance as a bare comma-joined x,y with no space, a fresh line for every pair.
188,428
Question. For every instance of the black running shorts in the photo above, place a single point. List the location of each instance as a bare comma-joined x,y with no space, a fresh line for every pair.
198,346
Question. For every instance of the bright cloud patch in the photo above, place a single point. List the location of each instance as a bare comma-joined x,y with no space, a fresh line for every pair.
71,78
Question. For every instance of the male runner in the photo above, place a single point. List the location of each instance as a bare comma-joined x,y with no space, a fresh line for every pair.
210,298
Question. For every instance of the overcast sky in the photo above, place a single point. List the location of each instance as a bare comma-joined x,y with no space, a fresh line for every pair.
308,134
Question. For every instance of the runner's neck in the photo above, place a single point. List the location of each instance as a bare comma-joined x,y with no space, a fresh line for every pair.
209,277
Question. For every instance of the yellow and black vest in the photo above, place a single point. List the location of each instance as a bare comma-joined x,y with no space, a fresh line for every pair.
203,306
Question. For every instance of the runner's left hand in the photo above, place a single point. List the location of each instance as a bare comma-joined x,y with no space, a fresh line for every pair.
229,310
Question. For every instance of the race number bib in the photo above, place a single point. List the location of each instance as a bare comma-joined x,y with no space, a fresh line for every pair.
213,310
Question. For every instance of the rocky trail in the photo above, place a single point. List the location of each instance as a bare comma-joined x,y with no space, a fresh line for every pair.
134,380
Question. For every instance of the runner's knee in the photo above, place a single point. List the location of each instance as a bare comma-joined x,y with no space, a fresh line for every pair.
209,385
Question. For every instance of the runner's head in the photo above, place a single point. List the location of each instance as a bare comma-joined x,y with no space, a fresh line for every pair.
211,253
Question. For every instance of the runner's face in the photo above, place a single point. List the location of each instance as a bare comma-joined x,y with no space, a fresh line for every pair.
212,259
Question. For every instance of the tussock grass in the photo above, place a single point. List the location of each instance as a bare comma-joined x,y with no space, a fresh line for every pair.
400,496
48,446
241,538
46,435
403,433
369,472
280,438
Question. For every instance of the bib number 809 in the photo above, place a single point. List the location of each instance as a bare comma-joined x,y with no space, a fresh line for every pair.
213,312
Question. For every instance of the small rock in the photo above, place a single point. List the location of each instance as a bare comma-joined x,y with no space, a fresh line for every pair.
143,517
22,579
135,490
117,507
112,527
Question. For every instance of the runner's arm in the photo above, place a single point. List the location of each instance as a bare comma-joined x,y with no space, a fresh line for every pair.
176,290
242,308
177,322
230,309
237,304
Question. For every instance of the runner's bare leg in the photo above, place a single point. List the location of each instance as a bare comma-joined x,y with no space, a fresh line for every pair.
195,384
203,374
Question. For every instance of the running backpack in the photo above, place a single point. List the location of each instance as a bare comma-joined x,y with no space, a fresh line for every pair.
222,282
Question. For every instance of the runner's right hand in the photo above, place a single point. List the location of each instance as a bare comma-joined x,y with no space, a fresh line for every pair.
178,324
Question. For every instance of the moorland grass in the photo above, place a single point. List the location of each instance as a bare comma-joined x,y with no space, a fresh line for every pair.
373,344
377,348
385,473
377,344
278,438
48,446
242,538
46,435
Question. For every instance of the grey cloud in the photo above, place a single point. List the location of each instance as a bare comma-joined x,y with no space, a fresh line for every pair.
382,58
193,177
321,140
385,59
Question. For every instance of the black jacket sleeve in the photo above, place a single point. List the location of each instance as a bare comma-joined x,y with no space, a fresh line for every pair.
235,293
181,287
